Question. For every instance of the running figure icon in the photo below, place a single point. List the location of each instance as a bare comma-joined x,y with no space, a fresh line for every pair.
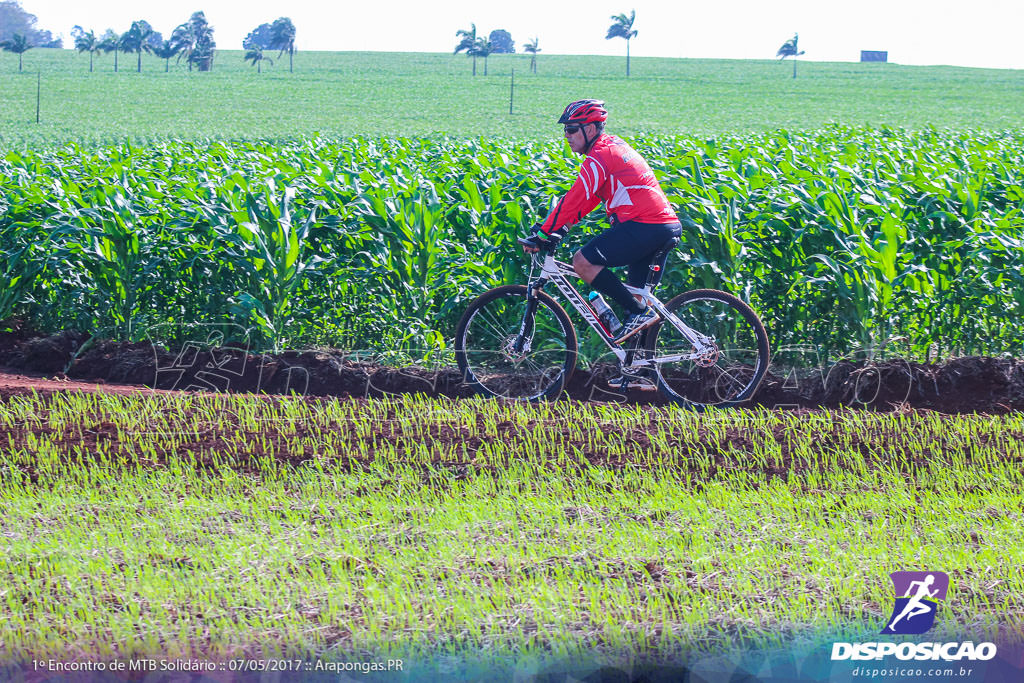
918,595
915,606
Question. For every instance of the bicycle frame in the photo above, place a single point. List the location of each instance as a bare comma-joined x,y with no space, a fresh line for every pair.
559,273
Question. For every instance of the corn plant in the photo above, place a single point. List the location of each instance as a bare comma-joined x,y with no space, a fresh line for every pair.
274,253
104,241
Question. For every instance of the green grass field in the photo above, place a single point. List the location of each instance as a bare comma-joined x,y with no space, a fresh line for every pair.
340,94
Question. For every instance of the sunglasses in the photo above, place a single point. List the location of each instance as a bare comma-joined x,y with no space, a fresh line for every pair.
572,130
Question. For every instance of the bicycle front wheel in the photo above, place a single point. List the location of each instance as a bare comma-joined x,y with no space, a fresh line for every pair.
510,345
733,365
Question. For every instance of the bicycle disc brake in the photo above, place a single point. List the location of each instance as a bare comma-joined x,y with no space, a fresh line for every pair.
509,348
707,356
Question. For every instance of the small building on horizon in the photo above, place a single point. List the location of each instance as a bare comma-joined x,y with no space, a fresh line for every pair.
874,55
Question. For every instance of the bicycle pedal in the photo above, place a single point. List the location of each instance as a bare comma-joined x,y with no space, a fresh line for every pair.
635,383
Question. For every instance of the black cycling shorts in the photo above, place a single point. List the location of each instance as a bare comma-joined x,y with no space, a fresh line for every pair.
631,244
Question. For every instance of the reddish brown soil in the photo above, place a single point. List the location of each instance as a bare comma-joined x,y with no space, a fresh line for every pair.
974,384
13,382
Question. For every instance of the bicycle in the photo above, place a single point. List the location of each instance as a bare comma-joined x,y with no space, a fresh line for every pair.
517,342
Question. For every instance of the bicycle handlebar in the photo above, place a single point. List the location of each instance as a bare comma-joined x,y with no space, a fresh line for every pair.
549,246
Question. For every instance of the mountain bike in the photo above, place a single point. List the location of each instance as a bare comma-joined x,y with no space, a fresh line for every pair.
707,348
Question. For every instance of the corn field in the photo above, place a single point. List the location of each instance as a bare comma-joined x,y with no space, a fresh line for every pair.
842,238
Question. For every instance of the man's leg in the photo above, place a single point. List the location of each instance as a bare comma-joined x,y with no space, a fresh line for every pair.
639,271
584,268
629,243
605,281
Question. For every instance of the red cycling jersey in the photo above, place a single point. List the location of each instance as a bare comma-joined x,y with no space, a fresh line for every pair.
615,174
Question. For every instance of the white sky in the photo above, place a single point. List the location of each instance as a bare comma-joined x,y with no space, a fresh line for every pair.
981,33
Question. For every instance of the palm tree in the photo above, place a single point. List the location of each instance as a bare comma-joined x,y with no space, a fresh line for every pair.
483,48
165,51
87,42
185,41
623,28
112,43
195,40
19,45
137,40
203,51
468,43
533,50
282,33
255,55
789,49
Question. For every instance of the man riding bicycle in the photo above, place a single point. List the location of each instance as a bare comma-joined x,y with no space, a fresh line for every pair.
642,220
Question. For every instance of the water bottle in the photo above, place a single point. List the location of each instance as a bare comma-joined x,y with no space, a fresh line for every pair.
605,314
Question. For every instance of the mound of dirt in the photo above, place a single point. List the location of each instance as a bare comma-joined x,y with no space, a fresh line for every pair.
972,384
51,354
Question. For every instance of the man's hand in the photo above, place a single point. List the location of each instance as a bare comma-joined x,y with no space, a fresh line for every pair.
538,240
533,244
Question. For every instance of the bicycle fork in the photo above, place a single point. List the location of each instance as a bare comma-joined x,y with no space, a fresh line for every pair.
524,339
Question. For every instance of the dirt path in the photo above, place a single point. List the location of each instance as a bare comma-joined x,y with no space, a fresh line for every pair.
15,382
960,385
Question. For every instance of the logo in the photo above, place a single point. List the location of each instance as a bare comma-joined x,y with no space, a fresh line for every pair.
917,601
947,652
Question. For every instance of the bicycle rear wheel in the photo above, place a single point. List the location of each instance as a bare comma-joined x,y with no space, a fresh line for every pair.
509,345
730,372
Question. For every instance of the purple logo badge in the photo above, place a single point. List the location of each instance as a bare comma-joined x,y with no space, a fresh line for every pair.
917,601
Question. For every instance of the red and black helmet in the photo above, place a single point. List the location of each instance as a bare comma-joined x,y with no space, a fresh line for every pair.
584,111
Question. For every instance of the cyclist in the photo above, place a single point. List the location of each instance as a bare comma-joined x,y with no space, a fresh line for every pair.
639,213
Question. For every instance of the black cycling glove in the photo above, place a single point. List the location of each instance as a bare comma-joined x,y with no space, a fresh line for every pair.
539,239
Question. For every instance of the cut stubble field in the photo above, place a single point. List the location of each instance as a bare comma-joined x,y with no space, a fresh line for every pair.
211,526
